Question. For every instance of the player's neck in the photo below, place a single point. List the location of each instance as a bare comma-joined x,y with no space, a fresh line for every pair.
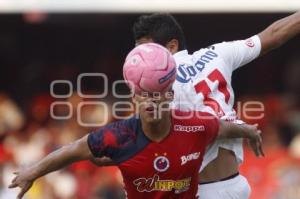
157,131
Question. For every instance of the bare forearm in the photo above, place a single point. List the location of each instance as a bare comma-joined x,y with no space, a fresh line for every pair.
52,162
280,32
230,130
286,28
60,158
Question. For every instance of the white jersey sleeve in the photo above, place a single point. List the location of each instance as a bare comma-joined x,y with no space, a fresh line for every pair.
238,53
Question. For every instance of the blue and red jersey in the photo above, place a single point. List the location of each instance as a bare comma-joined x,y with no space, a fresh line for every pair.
152,170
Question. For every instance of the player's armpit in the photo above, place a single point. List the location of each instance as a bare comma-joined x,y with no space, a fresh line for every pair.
279,32
80,149
104,161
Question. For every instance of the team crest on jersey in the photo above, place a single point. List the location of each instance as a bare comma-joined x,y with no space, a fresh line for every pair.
155,184
161,163
250,43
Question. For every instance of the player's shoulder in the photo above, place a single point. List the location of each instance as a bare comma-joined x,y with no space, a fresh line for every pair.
217,51
122,128
249,42
206,54
115,139
213,47
132,122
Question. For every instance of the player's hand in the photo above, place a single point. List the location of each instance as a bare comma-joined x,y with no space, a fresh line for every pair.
23,181
255,139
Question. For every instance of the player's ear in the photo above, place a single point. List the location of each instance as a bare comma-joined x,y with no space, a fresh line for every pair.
173,46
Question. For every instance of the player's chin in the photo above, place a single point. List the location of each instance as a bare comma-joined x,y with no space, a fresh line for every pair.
151,117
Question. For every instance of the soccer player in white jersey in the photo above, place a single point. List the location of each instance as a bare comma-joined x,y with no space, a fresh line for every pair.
204,82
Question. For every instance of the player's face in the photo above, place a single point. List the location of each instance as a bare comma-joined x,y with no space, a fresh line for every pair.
153,107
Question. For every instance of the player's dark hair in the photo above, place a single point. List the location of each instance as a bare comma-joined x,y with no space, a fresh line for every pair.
160,27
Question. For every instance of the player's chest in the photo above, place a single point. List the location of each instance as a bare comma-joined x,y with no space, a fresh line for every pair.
182,154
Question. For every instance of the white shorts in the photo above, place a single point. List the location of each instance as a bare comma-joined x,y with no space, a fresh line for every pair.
235,188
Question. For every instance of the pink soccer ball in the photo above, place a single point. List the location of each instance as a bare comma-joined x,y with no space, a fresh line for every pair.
149,68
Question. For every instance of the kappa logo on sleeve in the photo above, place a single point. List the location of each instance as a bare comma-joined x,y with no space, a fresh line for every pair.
189,128
249,42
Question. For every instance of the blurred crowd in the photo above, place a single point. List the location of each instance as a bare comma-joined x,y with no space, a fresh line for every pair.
27,136
277,175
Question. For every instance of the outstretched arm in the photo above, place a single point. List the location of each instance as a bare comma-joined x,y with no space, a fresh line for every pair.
279,32
56,160
231,130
